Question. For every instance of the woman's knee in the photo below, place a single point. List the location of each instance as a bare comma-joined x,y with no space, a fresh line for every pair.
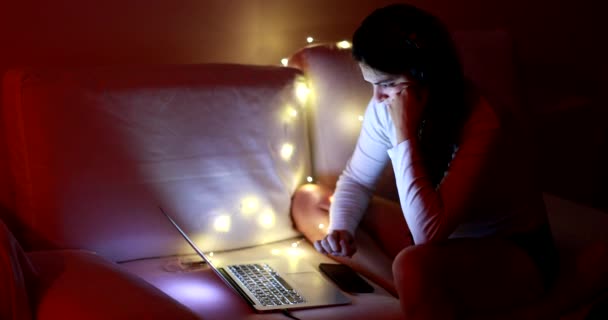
310,206
414,264
470,275
419,284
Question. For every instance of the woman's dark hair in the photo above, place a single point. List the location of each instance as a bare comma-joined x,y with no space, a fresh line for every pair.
402,39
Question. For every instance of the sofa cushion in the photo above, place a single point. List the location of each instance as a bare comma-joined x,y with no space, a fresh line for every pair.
81,285
95,151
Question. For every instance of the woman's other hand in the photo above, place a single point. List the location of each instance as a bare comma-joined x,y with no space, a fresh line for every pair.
337,243
403,96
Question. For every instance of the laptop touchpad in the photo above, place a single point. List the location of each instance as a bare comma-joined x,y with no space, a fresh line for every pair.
303,279
314,288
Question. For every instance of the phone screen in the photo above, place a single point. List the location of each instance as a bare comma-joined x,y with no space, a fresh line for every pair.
346,278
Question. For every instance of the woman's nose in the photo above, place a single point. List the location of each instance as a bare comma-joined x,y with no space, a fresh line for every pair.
379,94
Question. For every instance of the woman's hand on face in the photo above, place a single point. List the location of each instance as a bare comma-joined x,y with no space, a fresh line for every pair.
337,243
405,107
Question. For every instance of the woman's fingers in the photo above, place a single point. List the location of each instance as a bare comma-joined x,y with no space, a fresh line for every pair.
336,243
330,244
333,240
347,243
326,246
319,247
347,250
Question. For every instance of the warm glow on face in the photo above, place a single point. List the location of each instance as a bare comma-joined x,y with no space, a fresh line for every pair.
321,226
250,205
284,62
344,44
267,219
302,92
222,223
287,151
310,39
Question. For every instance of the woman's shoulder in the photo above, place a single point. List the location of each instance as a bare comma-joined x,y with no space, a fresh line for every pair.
490,107
482,114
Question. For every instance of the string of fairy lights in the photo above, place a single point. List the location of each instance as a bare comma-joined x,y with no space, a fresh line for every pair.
344,44
251,205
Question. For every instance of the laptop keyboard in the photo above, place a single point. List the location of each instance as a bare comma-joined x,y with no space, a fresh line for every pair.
266,285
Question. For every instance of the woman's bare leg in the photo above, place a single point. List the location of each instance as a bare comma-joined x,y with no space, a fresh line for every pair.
310,210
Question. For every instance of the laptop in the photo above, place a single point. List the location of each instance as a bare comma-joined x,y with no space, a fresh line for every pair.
267,285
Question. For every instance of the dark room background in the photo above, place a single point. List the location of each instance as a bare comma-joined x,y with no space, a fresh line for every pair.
559,51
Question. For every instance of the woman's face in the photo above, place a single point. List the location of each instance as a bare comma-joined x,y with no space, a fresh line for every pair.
385,85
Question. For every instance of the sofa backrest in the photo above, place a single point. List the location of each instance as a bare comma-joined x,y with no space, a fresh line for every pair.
95,151
339,95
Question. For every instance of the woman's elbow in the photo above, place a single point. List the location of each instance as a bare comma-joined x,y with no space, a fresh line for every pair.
430,233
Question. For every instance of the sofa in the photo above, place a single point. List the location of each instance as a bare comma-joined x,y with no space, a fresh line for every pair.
94,152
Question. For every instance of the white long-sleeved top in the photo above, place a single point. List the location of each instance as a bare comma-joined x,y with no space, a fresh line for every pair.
485,190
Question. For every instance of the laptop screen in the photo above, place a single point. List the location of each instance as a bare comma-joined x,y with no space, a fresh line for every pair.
185,236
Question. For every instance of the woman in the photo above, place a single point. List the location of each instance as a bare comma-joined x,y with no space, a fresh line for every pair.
479,238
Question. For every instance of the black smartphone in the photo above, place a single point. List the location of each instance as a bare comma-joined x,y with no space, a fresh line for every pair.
345,278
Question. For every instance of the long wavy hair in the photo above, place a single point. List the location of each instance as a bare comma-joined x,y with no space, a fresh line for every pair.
402,39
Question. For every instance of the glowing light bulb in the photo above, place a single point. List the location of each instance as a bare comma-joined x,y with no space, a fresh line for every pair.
222,223
211,254
310,39
292,112
321,226
289,113
294,245
361,118
284,62
250,205
267,219
309,179
287,151
344,44
302,92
